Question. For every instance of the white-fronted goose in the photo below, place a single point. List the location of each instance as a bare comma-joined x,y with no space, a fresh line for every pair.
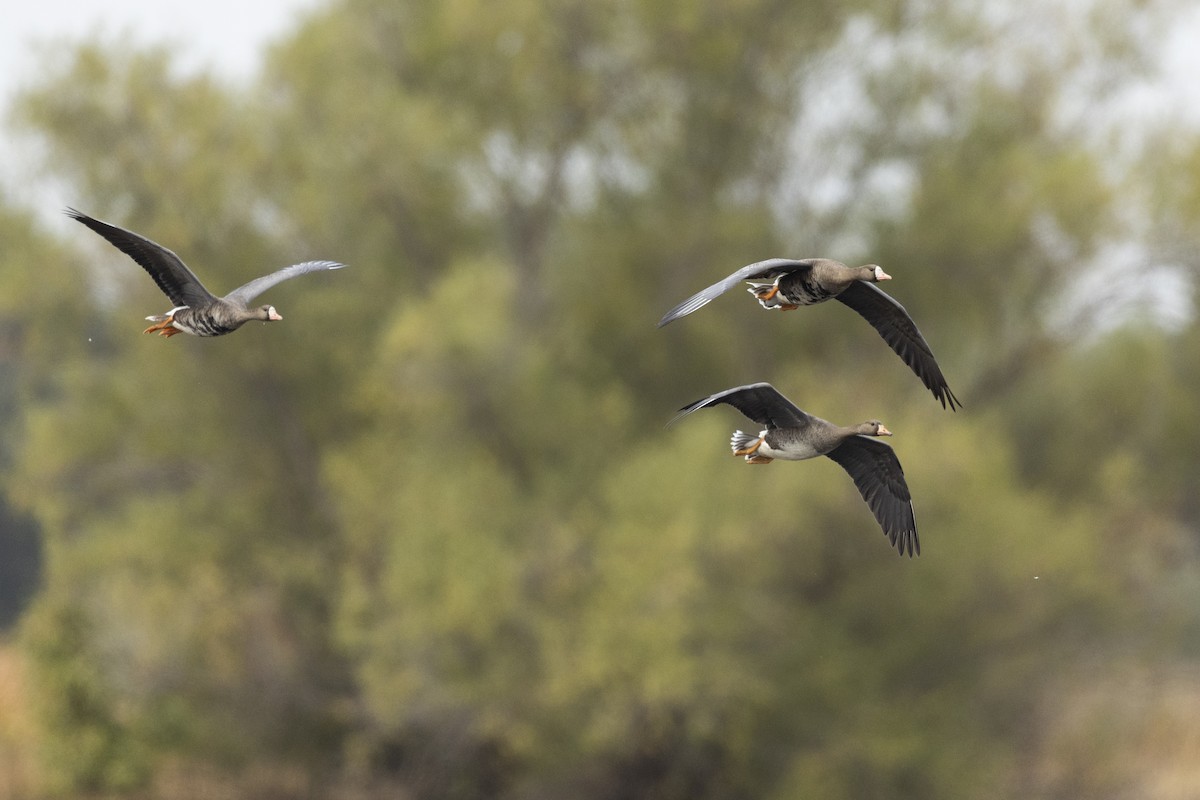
197,311
788,284
793,435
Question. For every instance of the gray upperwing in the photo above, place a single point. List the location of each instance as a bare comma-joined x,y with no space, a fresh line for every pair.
170,274
760,402
244,294
770,268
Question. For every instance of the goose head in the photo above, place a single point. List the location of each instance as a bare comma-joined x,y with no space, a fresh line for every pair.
876,273
872,428
267,314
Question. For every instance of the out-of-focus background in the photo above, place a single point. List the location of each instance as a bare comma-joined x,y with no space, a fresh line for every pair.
429,538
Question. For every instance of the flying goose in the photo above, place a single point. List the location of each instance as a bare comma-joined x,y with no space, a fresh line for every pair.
787,284
197,311
792,435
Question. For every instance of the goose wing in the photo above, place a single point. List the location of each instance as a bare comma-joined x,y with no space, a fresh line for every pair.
177,282
770,269
761,402
880,480
244,294
896,327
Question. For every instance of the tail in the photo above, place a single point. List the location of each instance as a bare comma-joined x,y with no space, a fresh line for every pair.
767,294
166,316
740,442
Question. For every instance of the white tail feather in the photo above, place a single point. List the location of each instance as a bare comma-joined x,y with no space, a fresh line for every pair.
761,289
741,441
166,316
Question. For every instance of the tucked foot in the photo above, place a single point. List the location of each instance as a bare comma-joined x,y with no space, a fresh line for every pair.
765,293
787,307
757,459
751,450
164,327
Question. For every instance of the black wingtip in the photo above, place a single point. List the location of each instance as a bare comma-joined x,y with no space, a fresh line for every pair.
907,543
683,412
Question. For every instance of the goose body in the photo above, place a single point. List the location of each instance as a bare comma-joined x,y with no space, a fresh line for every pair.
787,284
196,310
791,434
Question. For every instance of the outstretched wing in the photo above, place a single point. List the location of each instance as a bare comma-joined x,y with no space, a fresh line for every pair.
168,271
876,472
761,402
897,329
244,294
770,269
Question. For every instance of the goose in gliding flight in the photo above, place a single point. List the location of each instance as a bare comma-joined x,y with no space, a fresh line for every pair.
793,435
197,311
787,284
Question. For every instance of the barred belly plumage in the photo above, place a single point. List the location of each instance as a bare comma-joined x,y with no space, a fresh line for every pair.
802,289
200,324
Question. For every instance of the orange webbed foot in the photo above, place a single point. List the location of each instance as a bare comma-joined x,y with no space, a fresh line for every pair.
164,328
758,460
764,293
751,450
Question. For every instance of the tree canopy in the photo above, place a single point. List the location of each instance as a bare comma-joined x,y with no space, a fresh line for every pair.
429,536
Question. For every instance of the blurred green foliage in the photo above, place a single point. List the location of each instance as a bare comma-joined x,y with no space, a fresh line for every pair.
429,537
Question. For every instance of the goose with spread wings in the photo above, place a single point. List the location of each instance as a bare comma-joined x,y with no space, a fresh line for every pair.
787,284
197,311
793,435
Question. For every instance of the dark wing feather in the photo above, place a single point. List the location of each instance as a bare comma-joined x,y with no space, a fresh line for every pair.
168,271
880,480
900,332
771,268
761,402
244,294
